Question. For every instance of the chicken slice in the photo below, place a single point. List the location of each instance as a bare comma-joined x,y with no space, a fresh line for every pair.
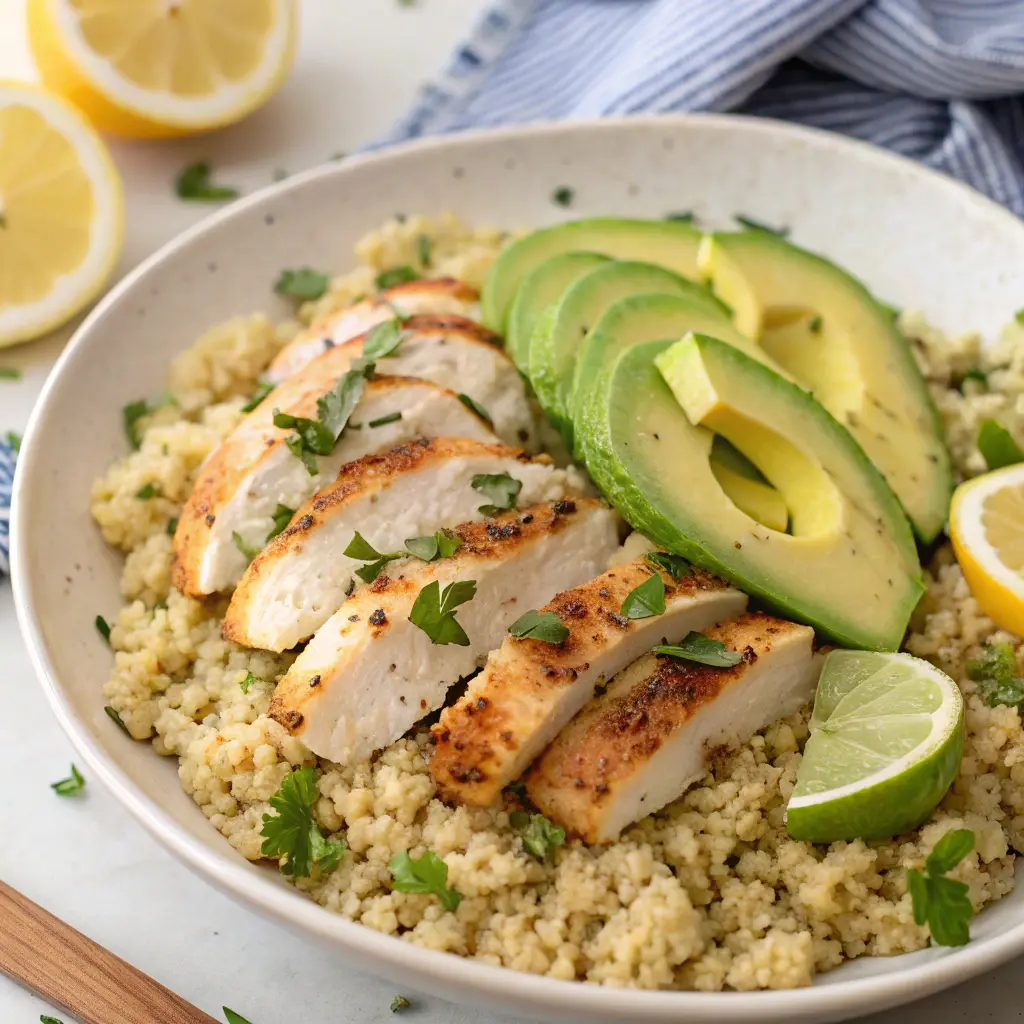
242,485
369,673
441,295
530,689
642,743
300,579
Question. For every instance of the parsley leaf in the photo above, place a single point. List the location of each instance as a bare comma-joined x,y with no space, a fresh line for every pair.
70,786
383,340
978,376
434,611
998,446
303,283
131,414
172,525
381,421
996,669
501,488
44,1019
395,275
399,1003
193,183
546,626
293,832
645,599
263,388
477,408
437,545
563,195
539,836
425,874
247,549
247,682
423,250
756,225
147,492
697,647
116,719
233,1018
675,565
362,550
10,373
282,517
13,441
942,903
103,627
686,216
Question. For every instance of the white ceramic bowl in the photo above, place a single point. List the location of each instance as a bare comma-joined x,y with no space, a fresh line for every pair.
916,238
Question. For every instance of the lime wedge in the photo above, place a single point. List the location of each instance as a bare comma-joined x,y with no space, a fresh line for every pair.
887,735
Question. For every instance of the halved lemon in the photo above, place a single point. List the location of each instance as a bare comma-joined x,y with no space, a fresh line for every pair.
61,212
986,525
158,68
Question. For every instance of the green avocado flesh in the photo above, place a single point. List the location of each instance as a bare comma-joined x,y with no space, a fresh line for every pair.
829,333
560,331
539,288
849,565
670,244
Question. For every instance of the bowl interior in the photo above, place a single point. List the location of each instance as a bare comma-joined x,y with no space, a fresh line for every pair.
918,240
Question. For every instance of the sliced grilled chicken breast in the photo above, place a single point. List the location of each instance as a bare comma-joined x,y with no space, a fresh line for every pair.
439,295
530,689
369,674
300,578
643,742
242,485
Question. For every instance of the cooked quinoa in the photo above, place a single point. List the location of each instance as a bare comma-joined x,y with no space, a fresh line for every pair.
708,894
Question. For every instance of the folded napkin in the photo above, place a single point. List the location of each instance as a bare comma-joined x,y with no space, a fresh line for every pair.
6,480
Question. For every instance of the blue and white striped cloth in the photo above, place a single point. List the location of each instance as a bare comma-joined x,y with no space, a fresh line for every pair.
936,80
6,482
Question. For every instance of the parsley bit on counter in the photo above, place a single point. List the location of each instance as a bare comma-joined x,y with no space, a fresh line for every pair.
13,441
234,1018
399,1003
103,628
424,874
70,786
942,903
563,195
193,183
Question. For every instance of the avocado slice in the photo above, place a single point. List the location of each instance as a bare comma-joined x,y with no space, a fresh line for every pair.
669,243
849,568
833,337
537,290
560,331
747,487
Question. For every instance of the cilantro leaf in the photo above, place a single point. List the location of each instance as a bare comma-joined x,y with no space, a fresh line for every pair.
147,492
303,283
13,441
442,544
501,488
248,550
477,408
116,719
263,388
383,340
172,525
395,275
282,517
563,195
539,836
233,1018
996,670
756,225
697,647
646,599
70,786
293,833
941,903
424,874
247,682
193,182
424,246
103,628
546,626
399,1003
10,373
997,445
362,550
434,611
299,450
675,565
382,421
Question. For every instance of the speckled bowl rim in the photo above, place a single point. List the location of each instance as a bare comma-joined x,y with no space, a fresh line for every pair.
446,975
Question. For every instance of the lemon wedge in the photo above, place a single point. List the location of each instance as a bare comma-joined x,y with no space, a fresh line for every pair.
986,525
158,68
61,212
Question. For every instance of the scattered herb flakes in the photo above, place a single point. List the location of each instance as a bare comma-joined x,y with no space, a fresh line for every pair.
263,388
424,874
539,836
434,611
362,550
394,276
193,183
293,833
646,599
249,550
501,488
546,626
103,628
399,1002
973,374
942,903
686,216
13,441
756,225
71,786
131,414
814,326
233,1018
116,719
424,250
172,526
303,283
147,492
997,445
442,544
675,565
563,196
248,681
282,517
996,670
383,421
697,647
10,373
476,407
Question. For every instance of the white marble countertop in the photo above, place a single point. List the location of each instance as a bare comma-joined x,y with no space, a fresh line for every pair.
86,860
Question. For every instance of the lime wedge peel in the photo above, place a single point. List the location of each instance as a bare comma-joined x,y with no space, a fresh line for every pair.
887,736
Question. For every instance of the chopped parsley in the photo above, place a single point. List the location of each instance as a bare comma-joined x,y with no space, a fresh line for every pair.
424,249
996,670
434,611
362,550
382,421
383,340
250,551
997,445
646,599
756,225
395,275
675,565
303,283
233,1018
539,836
293,833
193,183
13,441
147,492
425,874
399,1003
697,647
563,196
9,373
814,326
43,1018
501,488
71,786
476,407
103,628
282,517
172,525
686,216
546,626
247,682
263,388
442,544
116,719
131,414
978,376
939,902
